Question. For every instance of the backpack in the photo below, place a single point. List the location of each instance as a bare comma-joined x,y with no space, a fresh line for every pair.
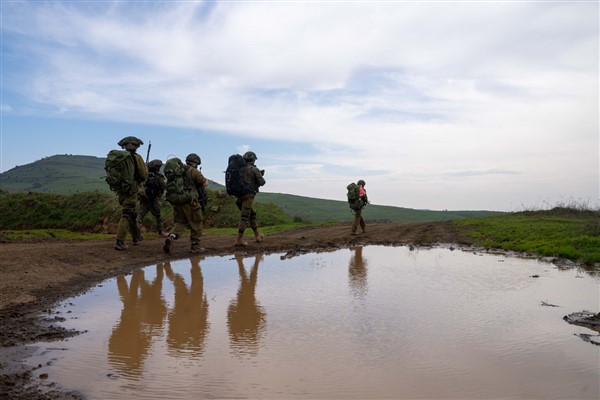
353,196
154,187
180,189
234,176
120,172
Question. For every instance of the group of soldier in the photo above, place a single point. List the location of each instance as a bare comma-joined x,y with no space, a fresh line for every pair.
189,215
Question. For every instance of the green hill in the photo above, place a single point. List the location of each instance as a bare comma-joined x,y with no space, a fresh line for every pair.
61,174
71,174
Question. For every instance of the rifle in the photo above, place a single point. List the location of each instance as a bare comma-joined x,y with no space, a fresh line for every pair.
148,152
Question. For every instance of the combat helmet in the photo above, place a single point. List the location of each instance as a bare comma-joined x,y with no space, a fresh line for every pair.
250,156
361,183
155,165
193,157
132,140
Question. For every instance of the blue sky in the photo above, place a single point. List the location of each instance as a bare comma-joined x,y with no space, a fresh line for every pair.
442,105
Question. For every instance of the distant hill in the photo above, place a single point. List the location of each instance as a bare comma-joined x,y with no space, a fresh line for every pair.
70,174
61,174
311,209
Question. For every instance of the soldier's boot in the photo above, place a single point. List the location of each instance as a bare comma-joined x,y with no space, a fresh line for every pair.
137,240
196,249
120,245
240,242
168,242
259,237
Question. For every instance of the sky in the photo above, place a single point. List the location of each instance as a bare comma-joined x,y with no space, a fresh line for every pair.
457,105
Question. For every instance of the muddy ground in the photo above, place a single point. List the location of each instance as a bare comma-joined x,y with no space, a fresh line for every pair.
37,275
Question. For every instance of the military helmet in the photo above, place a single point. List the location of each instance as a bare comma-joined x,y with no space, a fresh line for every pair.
130,140
361,183
155,165
193,157
250,156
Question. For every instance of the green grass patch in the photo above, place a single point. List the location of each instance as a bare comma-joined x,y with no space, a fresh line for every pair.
567,233
45,234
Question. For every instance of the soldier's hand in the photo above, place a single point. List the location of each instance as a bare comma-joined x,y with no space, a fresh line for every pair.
262,172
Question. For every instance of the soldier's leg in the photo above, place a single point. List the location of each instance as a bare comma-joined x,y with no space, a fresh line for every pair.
357,217
156,212
128,221
245,205
178,228
259,237
194,218
142,212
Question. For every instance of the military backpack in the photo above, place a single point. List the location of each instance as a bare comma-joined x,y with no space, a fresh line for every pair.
234,176
154,186
353,196
180,188
120,172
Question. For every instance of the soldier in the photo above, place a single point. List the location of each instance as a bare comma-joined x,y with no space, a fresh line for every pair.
193,160
150,195
128,201
253,177
186,205
357,207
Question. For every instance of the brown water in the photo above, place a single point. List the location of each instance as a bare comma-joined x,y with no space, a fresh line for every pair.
364,323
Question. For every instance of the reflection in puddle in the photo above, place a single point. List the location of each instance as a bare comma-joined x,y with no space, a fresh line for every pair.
372,322
245,317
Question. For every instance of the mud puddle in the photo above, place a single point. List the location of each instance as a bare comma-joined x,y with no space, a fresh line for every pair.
372,322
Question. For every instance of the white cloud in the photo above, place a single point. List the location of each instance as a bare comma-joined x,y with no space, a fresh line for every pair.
419,92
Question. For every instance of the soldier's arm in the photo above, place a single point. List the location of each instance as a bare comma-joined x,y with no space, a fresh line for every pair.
140,166
259,179
198,178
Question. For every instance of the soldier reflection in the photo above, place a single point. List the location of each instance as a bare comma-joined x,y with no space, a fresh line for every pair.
245,317
188,320
144,310
357,274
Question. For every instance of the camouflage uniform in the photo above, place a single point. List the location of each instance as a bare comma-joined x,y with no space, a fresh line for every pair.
128,201
363,200
151,204
189,214
254,178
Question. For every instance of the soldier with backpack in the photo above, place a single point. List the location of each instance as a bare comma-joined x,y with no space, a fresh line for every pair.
242,179
181,191
357,200
149,196
126,171
193,160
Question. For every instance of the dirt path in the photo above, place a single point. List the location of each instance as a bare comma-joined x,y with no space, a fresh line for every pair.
37,275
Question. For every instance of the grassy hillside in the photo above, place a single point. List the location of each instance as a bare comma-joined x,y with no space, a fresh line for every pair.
570,233
311,209
100,212
61,174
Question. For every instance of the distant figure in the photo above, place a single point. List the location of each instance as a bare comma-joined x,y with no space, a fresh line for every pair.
253,177
150,194
182,183
357,200
128,198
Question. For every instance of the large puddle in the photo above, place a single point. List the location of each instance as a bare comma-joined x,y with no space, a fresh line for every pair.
364,323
